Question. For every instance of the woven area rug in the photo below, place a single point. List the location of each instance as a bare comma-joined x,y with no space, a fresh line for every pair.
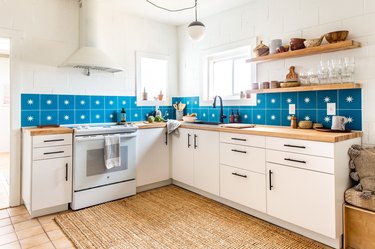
171,217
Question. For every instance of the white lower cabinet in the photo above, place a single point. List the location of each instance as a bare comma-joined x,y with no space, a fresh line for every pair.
182,156
152,156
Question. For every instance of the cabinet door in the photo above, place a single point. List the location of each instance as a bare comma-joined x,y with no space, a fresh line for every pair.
152,156
182,156
51,183
302,197
206,161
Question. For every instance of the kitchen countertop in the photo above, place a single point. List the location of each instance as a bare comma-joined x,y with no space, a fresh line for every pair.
271,131
48,131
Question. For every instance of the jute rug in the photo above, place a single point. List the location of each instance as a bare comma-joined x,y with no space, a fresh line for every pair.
171,217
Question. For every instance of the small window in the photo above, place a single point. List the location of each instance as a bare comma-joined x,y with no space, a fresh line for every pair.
229,74
152,77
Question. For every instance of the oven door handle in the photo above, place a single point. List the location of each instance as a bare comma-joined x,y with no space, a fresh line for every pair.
101,137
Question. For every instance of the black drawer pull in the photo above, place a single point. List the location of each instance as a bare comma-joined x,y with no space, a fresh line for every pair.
54,140
293,160
189,140
270,178
55,152
195,141
166,138
294,146
240,151
236,174
66,172
239,139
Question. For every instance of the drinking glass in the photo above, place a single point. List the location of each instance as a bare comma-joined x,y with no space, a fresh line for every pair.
323,72
313,76
304,77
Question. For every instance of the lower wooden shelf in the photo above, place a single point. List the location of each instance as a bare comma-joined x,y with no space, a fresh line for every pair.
310,88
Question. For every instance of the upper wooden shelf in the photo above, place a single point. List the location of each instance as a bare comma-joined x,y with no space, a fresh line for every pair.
326,48
310,88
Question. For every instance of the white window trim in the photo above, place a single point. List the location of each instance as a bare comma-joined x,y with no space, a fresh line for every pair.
229,49
138,88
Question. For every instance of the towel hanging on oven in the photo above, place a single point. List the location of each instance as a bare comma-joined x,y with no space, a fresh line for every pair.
112,156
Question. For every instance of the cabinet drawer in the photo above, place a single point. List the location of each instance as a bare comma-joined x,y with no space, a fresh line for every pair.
244,157
301,146
52,140
243,139
243,187
52,152
315,163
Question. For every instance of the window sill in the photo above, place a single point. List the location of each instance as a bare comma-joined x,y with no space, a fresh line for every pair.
152,103
233,102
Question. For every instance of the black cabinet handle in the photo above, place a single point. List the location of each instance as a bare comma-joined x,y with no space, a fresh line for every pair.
293,160
270,178
166,138
236,174
66,172
240,151
55,152
239,139
189,140
195,141
295,146
54,140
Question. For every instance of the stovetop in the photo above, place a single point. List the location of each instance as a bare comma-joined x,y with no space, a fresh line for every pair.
111,128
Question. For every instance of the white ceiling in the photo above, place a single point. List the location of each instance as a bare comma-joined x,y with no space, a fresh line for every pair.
205,8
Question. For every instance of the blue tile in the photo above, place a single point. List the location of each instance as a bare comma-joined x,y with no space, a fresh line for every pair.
123,102
246,116
97,116
146,111
97,102
355,118
48,102
195,102
259,116
350,99
82,102
285,118
214,114
288,98
66,117
261,101
82,116
133,102
66,102
176,100
324,119
273,101
307,100
273,117
48,117
135,115
30,102
203,114
30,118
308,115
110,116
325,97
110,102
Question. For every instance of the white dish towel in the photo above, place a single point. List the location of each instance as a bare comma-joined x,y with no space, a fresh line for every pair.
112,156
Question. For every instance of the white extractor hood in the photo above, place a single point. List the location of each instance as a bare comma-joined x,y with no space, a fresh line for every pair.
89,56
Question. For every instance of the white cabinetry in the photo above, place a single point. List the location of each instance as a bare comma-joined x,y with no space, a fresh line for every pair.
152,156
195,159
46,172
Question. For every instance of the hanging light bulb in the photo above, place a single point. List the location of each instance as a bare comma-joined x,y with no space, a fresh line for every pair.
196,29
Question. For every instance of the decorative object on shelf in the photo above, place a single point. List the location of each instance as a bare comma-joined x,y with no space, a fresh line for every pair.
304,124
264,85
297,43
248,94
336,36
274,84
289,84
196,29
282,49
254,86
242,95
274,45
292,75
293,122
160,96
261,50
313,42
123,116
144,94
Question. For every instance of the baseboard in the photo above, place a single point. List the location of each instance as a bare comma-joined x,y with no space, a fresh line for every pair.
154,185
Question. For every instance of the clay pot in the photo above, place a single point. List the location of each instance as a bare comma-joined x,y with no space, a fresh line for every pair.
297,43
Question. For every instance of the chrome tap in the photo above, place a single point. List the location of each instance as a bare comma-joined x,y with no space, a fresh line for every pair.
222,116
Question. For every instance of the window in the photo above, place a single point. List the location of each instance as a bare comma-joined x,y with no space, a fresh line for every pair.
152,77
229,73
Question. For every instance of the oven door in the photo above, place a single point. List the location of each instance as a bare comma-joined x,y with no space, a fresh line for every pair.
89,167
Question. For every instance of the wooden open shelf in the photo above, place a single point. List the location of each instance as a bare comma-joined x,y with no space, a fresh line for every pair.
310,88
326,48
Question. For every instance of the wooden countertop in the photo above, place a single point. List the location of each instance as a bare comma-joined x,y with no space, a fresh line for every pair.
48,131
271,131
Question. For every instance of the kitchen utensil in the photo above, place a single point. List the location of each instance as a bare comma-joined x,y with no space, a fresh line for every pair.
274,45
336,36
339,122
297,43
179,115
238,126
313,42
175,106
304,124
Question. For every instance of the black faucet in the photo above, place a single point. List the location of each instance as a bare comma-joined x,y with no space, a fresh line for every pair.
222,116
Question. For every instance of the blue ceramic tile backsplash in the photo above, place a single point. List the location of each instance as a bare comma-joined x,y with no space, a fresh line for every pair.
271,109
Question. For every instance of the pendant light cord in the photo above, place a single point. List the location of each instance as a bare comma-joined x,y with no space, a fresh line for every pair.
175,10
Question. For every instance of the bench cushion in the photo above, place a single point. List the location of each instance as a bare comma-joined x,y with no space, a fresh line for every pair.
353,197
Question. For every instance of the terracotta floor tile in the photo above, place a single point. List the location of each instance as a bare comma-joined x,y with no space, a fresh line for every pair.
29,232
14,245
62,243
20,218
5,222
26,224
3,214
47,218
34,241
8,238
6,229
56,234
50,226
47,245
17,211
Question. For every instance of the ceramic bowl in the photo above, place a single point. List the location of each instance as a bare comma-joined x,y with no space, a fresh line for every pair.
297,43
336,36
313,42
304,124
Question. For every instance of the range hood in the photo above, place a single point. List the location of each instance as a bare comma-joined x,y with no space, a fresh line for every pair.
89,56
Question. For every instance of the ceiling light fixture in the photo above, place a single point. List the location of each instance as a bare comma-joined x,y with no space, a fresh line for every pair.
196,29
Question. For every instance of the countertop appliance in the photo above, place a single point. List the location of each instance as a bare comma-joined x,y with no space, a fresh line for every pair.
93,183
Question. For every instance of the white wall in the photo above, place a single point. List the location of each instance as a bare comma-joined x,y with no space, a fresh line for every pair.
271,19
4,109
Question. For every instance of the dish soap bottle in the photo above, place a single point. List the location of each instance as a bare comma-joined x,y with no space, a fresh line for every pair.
231,117
123,116
237,118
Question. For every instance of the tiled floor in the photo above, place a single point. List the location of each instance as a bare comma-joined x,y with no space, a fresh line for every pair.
19,230
4,180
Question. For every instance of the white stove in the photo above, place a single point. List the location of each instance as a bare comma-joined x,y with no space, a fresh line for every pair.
93,183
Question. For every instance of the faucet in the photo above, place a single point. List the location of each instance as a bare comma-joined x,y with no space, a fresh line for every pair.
222,116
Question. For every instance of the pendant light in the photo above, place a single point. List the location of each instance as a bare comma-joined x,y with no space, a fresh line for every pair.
196,29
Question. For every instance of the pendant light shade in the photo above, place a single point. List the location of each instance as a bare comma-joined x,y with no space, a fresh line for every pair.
196,30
